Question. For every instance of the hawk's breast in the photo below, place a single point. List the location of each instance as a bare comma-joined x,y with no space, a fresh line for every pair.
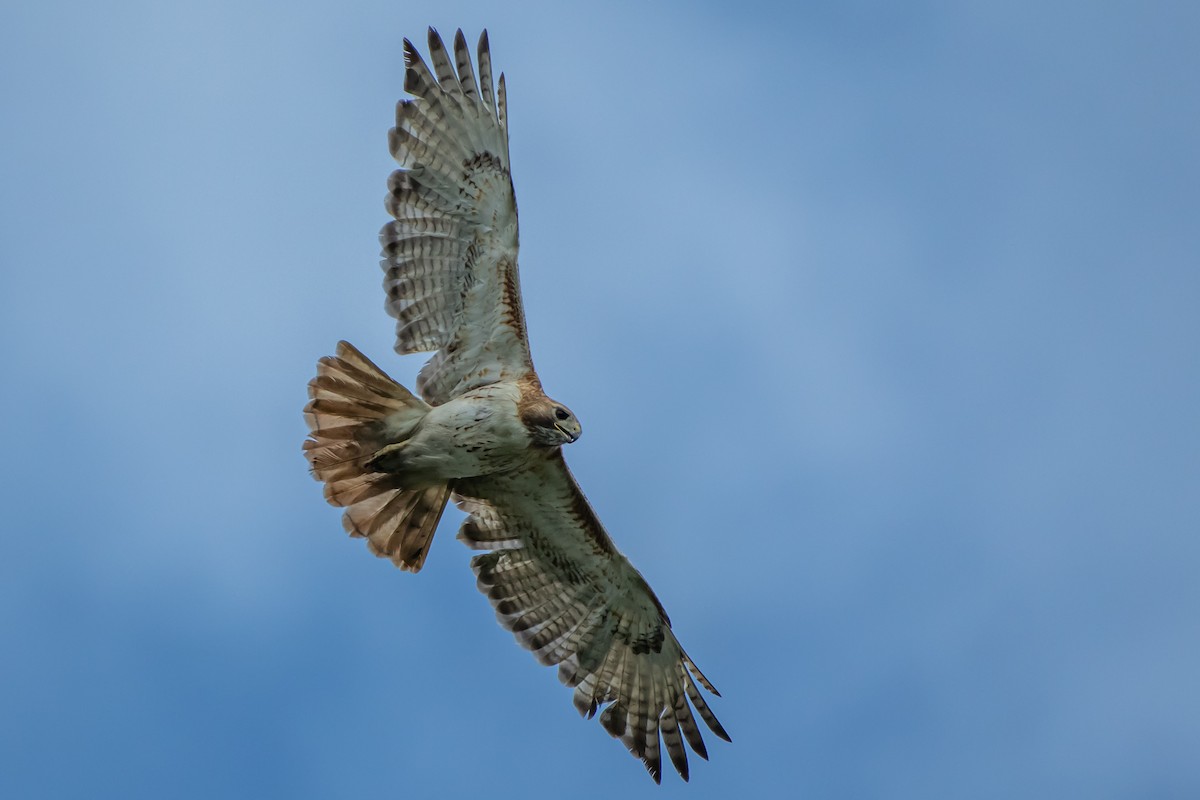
476,433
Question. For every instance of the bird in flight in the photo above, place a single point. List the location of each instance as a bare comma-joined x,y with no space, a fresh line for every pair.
483,432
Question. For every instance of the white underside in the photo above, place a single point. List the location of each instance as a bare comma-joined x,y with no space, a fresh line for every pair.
476,433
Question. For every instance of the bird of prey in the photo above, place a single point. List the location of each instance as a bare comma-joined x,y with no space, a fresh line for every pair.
482,430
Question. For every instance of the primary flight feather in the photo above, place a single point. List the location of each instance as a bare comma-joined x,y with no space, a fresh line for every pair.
483,431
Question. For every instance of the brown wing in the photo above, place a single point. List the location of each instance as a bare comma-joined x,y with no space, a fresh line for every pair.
559,584
450,256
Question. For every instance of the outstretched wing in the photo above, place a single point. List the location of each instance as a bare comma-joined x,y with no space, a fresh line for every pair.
451,253
559,584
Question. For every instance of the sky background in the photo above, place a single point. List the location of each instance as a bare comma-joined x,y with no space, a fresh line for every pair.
881,320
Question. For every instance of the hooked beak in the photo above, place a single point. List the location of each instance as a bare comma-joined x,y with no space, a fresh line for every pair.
570,434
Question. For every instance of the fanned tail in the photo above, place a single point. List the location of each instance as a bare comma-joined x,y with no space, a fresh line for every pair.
355,411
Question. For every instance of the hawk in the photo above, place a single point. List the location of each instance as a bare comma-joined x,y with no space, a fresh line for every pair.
483,432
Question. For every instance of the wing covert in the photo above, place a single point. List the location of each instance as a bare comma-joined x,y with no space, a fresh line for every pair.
450,255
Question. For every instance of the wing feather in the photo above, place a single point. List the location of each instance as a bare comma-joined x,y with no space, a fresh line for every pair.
559,584
462,60
441,63
484,54
450,254
669,727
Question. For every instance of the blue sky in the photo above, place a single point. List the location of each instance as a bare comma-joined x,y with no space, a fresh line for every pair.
880,320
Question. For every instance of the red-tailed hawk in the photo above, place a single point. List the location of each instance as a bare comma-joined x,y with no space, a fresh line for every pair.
485,432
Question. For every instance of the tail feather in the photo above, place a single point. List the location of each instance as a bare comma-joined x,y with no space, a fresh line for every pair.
407,541
356,410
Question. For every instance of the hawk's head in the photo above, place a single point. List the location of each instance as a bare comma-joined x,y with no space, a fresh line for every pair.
550,424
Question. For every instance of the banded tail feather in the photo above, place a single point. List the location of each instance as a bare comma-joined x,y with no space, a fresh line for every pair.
354,413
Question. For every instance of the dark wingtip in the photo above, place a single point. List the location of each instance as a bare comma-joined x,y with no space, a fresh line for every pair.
435,40
613,720
411,56
654,767
679,759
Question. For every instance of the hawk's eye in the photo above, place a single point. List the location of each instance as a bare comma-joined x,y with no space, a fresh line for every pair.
560,413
